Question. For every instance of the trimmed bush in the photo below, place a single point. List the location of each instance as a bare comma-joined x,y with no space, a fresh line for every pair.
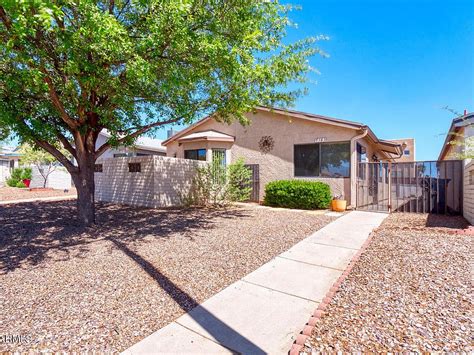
20,184
307,195
18,174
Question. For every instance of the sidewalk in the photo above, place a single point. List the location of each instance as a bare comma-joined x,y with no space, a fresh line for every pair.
37,199
264,311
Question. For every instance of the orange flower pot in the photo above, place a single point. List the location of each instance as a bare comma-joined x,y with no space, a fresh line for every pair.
339,205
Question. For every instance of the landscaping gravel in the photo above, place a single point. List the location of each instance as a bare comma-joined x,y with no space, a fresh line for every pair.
410,291
13,193
66,288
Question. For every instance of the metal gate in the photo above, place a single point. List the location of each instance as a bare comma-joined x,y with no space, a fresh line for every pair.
420,187
254,182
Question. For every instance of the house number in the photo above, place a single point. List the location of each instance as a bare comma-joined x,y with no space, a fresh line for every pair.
320,139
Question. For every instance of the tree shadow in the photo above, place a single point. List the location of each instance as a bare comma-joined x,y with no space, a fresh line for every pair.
36,232
219,330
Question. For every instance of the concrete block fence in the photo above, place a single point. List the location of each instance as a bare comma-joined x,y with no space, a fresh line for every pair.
160,181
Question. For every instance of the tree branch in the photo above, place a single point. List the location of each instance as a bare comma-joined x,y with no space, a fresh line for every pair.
6,21
57,102
51,149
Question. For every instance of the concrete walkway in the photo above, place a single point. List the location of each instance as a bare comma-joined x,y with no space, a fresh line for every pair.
264,311
37,199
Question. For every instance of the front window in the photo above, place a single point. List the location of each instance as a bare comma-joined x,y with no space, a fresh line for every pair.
322,160
335,160
195,154
307,160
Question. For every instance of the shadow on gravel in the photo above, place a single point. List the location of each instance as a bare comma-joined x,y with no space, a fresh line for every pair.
443,221
31,233
219,330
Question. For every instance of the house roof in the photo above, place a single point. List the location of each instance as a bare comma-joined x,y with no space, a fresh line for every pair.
387,146
210,135
456,125
143,142
9,152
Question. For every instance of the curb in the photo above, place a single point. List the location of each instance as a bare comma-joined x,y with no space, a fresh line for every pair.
298,344
39,199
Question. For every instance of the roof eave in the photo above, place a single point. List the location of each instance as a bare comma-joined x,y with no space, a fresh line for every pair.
207,139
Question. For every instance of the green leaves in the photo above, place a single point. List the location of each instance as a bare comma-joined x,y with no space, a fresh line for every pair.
130,65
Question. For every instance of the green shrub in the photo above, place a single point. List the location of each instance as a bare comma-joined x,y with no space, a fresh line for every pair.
239,178
18,175
20,184
217,185
26,173
12,182
308,195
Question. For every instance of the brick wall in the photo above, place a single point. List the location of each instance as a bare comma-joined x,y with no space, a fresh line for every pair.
468,205
162,181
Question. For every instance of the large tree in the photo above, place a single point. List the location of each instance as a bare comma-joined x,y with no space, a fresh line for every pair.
72,68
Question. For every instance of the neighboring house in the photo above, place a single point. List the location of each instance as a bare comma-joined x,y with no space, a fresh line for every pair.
408,150
459,144
143,146
8,160
288,144
454,146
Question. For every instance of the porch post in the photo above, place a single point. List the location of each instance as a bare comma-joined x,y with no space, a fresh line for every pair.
389,187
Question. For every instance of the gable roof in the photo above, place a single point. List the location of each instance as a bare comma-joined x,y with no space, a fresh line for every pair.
394,148
456,124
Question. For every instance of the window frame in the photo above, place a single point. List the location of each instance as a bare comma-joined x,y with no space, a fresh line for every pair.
319,160
135,167
98,168
197,153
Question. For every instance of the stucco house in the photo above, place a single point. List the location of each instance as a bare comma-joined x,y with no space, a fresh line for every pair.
289,144
459,144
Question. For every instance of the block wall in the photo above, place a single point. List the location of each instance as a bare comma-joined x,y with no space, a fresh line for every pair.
162,181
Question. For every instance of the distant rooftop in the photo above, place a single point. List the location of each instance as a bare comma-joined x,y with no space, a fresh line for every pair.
143,142
7,151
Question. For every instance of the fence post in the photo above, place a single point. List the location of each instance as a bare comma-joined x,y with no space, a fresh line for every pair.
389,187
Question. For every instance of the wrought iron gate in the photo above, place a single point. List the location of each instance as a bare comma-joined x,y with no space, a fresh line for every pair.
254,182
420,187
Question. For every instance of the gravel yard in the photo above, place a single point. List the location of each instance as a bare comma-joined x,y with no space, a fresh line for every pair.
410,291
66,288
13,193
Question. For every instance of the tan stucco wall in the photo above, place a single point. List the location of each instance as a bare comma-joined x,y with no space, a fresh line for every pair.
162,182
286,131
410,145
468,201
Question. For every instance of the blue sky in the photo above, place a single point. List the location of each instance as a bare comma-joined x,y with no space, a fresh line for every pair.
393,64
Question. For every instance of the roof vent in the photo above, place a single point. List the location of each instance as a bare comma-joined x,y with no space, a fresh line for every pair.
170,133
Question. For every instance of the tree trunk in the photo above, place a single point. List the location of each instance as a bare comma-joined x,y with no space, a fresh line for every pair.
84,181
